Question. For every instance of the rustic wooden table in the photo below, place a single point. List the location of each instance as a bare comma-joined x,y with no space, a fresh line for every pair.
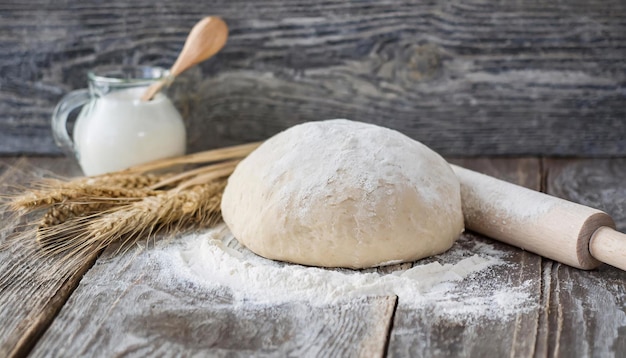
113,305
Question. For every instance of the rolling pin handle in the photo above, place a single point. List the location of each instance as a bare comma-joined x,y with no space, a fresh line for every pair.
609,246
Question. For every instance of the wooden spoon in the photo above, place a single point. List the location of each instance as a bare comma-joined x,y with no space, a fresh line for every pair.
205,39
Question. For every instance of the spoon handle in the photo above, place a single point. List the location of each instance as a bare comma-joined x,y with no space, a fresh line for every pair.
205,39
153,90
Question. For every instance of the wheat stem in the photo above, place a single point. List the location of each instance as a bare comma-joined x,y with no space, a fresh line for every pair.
215,155
218,171
231,164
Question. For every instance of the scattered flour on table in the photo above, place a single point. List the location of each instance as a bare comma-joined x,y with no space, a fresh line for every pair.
459,282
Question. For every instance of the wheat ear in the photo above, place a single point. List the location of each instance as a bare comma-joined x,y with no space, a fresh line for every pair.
110,186
63,212
86,215
167,211
121,180
40,198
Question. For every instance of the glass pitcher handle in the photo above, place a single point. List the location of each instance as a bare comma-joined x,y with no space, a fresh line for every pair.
68,103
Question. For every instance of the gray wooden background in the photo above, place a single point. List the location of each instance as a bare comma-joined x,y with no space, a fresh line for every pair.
509,77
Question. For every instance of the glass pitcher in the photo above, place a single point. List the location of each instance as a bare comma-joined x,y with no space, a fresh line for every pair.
115,129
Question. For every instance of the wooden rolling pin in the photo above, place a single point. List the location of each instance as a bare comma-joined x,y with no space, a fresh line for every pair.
558,229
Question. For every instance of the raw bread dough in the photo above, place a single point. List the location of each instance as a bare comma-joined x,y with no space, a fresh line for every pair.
339,193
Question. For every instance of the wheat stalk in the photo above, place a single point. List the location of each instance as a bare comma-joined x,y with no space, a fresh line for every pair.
41,198
86,215
209,156
169,211
122,180
216,171
47,192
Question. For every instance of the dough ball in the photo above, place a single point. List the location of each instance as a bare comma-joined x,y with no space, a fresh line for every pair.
339,193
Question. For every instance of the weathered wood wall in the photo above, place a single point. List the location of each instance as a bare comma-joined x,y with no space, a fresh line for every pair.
465,77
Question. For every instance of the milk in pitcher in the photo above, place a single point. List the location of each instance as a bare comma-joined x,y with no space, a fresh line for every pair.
119,130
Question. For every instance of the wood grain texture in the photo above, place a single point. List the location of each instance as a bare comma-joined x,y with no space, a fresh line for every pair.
31,291
432,333
130,305
464,77
587,310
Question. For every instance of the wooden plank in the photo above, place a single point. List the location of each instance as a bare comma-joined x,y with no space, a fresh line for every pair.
587,309
434,333
464,77
31,292
129,305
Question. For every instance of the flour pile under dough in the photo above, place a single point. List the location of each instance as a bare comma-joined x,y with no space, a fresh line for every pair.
339,193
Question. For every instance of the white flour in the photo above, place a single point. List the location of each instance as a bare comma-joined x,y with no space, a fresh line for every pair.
457,283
